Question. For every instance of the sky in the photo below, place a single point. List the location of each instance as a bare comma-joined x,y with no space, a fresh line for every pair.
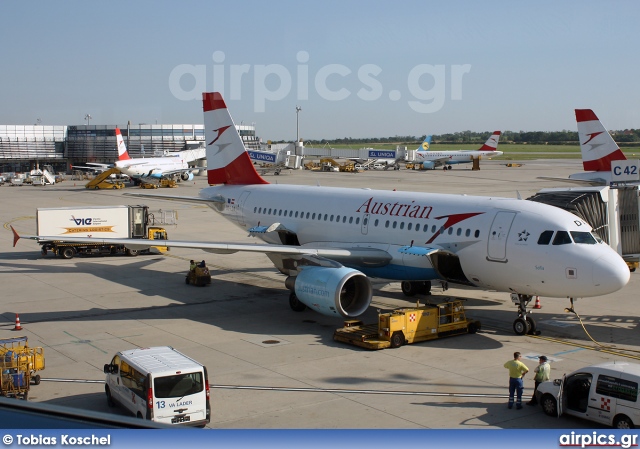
354,68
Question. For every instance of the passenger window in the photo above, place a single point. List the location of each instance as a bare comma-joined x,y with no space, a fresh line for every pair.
417,227
331,218
307,215
375,223
386,224
350,220
395,223
450,231
477,233
358,220
545,238
583,237
467,232
313,217
562,238
459,232
365,221
344,219
409,226
402,225
617,388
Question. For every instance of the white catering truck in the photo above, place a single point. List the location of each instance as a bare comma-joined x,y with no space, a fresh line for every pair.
159,384
96,222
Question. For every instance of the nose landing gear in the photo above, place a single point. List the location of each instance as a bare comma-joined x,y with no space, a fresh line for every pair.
524,324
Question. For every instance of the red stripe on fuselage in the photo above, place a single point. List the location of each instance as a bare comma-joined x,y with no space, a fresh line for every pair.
239,172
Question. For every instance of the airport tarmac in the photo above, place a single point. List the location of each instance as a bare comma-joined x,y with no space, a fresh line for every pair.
270,367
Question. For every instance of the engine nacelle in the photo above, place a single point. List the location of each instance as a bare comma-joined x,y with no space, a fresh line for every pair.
187,176
428,165
332,291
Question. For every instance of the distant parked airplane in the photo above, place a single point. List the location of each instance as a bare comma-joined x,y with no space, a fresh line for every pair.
432,159
152,167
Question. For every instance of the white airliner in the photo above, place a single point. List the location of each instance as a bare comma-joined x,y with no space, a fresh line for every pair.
329,241
432,159
598,149
151,167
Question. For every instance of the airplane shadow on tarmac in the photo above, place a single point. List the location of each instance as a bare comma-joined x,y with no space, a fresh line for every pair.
230,304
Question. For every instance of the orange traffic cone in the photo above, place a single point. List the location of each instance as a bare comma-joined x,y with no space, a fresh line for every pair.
537,304
18,327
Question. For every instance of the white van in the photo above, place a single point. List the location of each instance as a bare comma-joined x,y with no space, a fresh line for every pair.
606,393
160,384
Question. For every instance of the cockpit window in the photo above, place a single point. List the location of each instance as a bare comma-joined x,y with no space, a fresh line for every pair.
583,237
545,238
562,238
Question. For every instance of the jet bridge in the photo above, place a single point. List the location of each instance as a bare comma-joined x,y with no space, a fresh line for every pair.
613,213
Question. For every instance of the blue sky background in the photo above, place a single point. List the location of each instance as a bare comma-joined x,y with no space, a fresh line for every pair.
531,63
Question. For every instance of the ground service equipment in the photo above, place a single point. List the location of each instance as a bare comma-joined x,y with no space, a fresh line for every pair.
409,325
104,180
199,276
99,222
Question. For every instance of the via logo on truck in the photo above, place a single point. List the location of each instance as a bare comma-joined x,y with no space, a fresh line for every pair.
82,221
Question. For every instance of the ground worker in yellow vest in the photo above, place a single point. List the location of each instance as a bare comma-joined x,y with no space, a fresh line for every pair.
517,370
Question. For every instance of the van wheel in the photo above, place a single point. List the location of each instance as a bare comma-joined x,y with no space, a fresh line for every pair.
472,328
623,422
110,401
549,405
132,252
139,415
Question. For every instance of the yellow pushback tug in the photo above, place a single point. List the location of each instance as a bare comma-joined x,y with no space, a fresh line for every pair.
409,325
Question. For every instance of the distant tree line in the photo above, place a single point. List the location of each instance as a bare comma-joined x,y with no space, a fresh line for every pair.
563,137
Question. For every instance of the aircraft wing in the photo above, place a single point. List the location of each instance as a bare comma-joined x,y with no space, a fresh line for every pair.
319,255
584,182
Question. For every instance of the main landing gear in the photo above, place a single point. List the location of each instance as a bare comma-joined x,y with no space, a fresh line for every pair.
524,324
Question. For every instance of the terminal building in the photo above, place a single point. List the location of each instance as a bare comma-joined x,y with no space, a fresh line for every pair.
27,147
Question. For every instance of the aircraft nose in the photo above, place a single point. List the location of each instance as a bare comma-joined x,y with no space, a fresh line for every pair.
610,273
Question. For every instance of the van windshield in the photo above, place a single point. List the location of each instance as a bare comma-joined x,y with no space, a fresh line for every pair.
178,385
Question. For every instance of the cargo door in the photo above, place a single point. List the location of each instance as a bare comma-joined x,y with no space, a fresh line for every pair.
497,246
180,398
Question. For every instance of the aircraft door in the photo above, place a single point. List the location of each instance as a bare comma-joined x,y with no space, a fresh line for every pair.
497,246
365,224
240,207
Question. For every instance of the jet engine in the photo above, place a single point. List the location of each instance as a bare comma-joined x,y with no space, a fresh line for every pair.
332,291
430,165
187,176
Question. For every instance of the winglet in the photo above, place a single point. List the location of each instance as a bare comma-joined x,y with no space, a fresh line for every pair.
16,237
597,147
227,159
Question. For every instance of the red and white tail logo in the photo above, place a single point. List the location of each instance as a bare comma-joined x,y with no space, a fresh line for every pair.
123,154
227,159
596,144
492,142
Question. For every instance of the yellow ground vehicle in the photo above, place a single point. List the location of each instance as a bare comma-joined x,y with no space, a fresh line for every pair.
409,325
18,365
104,181
199,276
